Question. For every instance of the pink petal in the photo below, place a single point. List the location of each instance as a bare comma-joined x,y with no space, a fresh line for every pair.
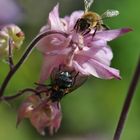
49,63
79,68
24,111
104,55
52,42
91,66
27,107
54,20
100,70
64,51
89,42
109,35
39,120
56,119
41,112
46,115
73,19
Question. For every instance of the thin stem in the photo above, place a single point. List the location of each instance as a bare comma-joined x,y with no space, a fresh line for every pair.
27,90
25,56
127,102
10,59
36,91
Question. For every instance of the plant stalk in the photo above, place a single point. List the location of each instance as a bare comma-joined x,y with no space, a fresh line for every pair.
127,102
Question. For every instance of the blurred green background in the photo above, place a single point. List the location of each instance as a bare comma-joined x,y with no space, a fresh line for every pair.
92,111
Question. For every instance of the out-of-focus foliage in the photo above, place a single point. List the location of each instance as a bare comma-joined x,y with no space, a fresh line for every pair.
95,107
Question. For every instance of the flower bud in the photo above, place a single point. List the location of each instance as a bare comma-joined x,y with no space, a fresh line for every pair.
10,36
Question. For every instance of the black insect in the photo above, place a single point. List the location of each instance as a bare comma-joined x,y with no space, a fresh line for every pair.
64,81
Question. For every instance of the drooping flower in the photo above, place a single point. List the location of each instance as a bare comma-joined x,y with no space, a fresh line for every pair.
87,54
41,112
10,36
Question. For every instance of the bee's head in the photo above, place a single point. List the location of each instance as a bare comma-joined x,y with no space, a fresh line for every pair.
81,25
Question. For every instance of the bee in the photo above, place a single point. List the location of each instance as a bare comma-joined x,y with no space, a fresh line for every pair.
92,20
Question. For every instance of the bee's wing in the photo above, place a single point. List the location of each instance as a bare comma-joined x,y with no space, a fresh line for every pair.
110,13
79,80
87,4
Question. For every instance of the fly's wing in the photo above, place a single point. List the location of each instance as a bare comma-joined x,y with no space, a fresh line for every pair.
110,13
88,4
78,81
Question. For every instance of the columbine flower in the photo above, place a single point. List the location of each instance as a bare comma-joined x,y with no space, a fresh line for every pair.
41,112
10,36
86,54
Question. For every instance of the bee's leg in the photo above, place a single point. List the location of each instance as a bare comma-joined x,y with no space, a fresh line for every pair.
94,31
105,27
76,25
86,32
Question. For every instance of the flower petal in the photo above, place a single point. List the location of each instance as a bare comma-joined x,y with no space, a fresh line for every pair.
100,70
78,67
46,114
24,111
54,20
27,107
52,42
41,112
104,55
101,53
90,66
39,119
49,63
56,119
109,35
73,19
65,51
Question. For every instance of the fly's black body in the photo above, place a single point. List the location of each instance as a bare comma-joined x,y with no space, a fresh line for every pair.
63,81
61,84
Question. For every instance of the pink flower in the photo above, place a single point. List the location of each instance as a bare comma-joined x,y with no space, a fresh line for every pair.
87,54
41,112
